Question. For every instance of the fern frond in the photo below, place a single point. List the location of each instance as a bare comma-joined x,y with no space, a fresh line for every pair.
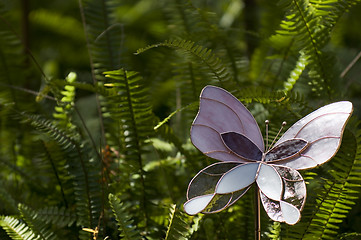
16,229
125,223
7,201
130,112
12,56
189,20
178,227
37,225
275,231
103,35
209,59
189,78
337,194
91,88
295,74
167,133
204,27
308,24
165,120
57,166
53,21
65,105
59,217
84,171
131,107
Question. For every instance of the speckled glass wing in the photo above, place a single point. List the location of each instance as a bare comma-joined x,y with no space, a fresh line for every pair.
220,112
322,130
285,200
218,186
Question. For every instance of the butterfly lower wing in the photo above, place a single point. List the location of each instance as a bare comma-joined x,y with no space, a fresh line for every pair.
220,112
212,203
214,188
280,211
287,208
322,129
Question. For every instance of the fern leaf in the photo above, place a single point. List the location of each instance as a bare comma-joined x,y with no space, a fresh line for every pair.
7,201
125,223
131,113
103,35
12,62
178,227
53,21
131,106
65,105
336,194
307,23
16,229
54,158
296,73
59,217
172,114
209,59
37,225
84,171
275,231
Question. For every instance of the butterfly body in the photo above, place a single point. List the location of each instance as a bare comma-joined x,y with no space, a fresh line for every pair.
225,130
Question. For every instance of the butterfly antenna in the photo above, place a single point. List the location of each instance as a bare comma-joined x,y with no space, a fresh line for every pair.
266,122
283,124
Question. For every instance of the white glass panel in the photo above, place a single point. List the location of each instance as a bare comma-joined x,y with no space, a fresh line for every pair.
338,107
290,213
197,204
323,149
300,163
323,126
237,178
318,153
270,182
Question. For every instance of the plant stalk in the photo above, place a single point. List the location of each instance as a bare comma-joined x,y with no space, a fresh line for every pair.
257,219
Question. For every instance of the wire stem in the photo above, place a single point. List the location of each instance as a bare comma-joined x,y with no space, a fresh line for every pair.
257,219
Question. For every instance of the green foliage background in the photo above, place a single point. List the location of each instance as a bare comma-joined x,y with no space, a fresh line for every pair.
97,98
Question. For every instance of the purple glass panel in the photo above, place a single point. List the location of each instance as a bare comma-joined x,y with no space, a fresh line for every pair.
241,145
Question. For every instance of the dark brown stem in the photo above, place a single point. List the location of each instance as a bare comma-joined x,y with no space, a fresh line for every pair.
257,219
25,24
250,25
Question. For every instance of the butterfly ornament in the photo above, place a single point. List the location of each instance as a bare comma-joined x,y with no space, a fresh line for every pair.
225,130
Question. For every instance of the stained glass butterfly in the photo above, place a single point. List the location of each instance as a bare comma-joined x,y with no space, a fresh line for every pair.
225,130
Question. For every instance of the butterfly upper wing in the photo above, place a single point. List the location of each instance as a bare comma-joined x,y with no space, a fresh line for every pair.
322,129
220,112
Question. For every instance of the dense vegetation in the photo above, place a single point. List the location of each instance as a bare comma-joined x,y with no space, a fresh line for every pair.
97,98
